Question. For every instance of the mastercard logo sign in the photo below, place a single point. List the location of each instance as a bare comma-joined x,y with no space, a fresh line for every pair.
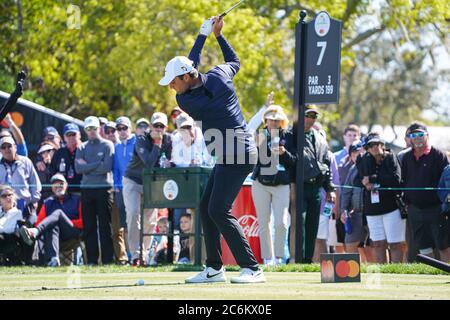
336,269
346,269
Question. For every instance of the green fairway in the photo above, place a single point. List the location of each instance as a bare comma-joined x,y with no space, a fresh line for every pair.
74,283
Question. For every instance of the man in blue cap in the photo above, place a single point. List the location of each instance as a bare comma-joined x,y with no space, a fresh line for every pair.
52,135
63,160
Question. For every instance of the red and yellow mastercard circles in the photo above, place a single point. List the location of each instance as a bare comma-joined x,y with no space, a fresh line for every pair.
339,267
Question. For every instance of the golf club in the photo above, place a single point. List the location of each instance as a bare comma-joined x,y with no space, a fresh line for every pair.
433,262
226,12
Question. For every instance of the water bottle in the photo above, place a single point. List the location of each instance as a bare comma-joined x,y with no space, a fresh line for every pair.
62,166
162,160
70,173
275,143
348,225
176,244
327,209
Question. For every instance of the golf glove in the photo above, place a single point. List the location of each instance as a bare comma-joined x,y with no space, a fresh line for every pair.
206,27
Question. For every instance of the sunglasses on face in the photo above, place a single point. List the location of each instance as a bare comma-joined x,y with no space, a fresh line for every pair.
311,116
71,134
122,128
416,135
91,128
143,126
159,126
6,195
110,131
6,146
371,145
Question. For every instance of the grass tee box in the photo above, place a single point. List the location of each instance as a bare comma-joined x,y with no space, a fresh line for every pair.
340,267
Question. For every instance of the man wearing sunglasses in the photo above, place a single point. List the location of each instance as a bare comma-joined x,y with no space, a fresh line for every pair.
63,161
422,167
142,127
317,170
19,172
110,131
122,156
146,154
94,160
52,135
59,219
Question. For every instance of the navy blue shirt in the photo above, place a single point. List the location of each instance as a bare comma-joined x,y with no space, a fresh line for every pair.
216,105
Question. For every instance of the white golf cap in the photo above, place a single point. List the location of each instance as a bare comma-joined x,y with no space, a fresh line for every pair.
176,67
7,139
45,147
58,177
91,122
159,117
184,119
124,121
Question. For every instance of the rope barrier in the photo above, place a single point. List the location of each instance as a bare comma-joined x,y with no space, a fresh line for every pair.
396,189
335,185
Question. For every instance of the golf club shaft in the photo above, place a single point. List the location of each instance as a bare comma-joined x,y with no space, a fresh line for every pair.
433,262
226,12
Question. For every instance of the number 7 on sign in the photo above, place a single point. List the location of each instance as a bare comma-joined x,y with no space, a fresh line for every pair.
323,46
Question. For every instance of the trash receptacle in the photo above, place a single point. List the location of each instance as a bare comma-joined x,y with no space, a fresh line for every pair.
175,188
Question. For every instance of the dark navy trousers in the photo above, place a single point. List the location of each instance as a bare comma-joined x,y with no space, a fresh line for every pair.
222,188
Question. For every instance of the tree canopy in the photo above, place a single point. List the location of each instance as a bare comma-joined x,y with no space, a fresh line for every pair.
106,57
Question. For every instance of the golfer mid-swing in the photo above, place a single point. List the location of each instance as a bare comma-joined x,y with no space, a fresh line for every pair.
211,99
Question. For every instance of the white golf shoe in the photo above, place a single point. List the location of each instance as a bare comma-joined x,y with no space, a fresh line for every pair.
208,275
249,276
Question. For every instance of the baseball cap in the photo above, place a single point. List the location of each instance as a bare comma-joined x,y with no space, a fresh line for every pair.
355,146
184,119
311,108
58,177
373,137
176,67
124,121
46,147
416,126
141,121
110,124
91,121
71,127
50,131
103,120
7,139
159,117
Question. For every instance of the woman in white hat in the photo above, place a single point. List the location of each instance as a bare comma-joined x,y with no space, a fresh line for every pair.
272,176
